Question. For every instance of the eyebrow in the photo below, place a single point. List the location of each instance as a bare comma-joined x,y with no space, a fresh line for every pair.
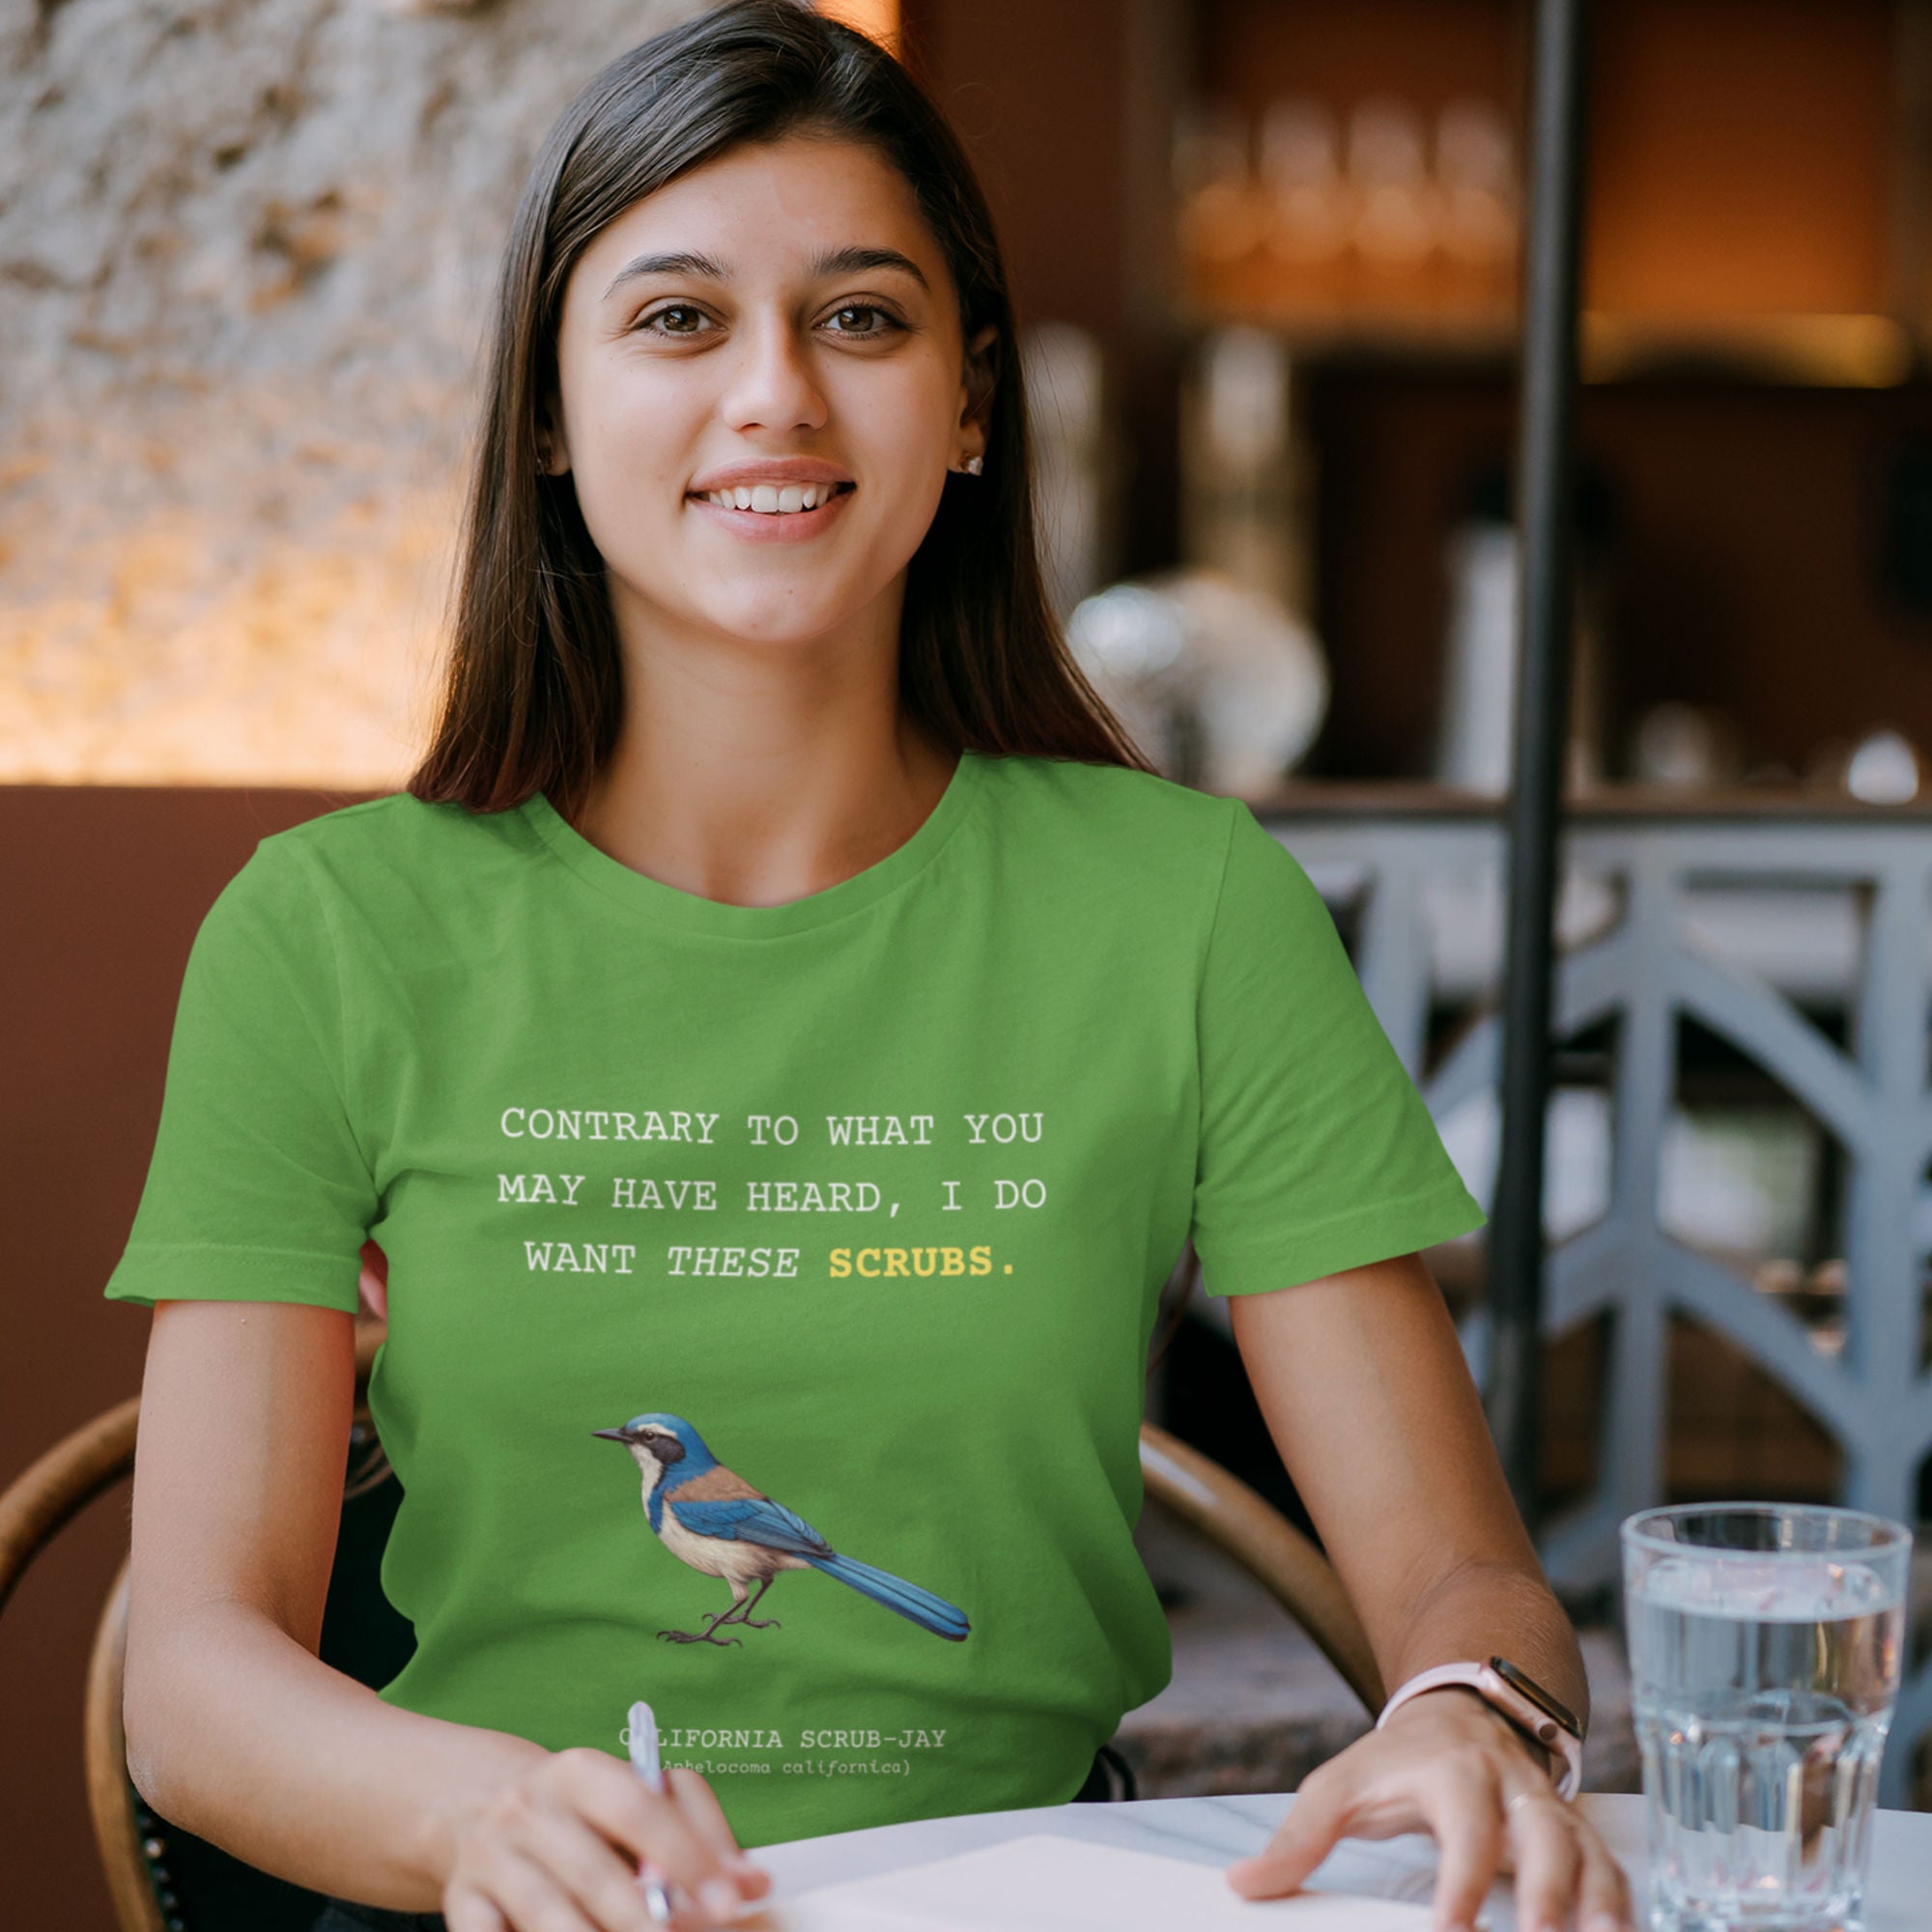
836,262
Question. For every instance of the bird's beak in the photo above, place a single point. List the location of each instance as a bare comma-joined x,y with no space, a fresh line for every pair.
613,1435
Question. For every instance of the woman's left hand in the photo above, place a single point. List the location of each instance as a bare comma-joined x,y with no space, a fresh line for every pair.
1450,1764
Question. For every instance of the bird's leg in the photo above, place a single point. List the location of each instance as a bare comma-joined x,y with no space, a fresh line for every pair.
741,1606
738,1605
705,1635
742,1612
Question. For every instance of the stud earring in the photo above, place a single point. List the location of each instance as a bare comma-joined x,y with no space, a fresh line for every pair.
973,465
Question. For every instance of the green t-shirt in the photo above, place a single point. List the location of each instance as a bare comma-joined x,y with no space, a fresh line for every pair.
859,1207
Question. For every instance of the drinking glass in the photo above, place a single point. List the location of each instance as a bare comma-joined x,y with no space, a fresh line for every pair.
1765,1646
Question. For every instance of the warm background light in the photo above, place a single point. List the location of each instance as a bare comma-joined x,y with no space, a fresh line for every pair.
242,348
877,18
252,260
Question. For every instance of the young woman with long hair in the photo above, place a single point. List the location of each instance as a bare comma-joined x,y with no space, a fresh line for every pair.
774,1052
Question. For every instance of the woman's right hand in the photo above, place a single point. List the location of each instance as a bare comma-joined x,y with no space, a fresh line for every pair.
558,1849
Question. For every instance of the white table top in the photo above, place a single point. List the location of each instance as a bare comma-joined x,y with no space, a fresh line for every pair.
1218,1830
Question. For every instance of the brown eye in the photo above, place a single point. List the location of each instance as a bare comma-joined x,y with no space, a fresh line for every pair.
863,308
658,315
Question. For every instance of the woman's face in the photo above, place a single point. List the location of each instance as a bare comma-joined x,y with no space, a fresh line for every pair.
778,320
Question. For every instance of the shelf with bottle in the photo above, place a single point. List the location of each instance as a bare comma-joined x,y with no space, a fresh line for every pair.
1377,219
1828,352
1389,232
1758,186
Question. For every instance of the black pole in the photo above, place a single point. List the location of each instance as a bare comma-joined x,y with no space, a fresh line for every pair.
1543,513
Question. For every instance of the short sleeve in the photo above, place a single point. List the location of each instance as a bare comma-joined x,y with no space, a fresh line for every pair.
257,1189
1316,1153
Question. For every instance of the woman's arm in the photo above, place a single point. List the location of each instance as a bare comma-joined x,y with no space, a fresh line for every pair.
234,1729
237,1731
1362,1381
1361,1378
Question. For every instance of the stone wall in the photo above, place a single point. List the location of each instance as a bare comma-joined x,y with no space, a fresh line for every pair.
246,255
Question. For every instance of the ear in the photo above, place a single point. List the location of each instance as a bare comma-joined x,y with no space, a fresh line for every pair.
976,390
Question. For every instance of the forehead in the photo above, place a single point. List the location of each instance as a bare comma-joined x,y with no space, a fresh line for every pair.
764,212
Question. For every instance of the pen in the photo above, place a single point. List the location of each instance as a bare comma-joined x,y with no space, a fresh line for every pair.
644,1760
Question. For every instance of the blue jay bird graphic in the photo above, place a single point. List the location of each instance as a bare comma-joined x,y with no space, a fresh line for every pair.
718,1523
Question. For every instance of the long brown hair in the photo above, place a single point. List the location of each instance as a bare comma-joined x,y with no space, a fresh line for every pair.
532,691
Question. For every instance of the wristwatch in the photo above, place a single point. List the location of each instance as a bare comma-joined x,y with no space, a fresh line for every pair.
1520,1699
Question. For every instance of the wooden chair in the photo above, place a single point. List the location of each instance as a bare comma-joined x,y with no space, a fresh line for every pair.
159,1877
162,1878
1250,1529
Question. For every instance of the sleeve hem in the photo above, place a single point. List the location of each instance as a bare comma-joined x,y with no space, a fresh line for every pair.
206,1271
1376,1233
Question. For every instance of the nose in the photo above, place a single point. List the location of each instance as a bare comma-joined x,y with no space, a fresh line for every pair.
771,385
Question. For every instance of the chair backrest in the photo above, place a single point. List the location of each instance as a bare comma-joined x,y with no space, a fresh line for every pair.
1256,1534
164,1879
161,1878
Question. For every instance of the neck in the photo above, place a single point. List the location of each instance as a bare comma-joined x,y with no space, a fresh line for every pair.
747,827
758,770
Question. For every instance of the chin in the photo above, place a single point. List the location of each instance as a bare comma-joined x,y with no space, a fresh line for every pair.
782,624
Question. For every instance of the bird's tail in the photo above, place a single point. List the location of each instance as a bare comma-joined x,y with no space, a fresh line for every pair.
921,1606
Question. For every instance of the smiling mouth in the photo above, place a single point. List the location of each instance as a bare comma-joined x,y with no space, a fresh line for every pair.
776,501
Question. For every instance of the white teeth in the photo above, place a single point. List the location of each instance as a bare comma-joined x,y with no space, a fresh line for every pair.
773,500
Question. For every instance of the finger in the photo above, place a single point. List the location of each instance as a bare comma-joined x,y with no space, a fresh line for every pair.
1547,1857
599,1877
649,1824
1603,1898
466,1910
1463,1807
700,1803
1306,1837
528,1896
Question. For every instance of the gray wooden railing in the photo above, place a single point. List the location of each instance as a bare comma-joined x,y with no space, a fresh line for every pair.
1388,862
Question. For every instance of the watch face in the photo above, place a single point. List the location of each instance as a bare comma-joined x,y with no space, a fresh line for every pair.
1535,1692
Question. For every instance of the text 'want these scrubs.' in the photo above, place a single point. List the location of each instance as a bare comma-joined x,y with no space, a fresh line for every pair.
770,1287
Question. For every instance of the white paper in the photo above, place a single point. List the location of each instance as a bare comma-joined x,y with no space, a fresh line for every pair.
1046,1883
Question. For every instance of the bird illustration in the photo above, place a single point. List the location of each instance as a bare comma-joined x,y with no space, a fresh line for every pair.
717,1522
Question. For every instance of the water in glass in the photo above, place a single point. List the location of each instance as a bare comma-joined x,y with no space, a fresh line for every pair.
1763,1684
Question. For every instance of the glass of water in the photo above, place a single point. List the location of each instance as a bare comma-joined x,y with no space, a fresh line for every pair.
1765,1645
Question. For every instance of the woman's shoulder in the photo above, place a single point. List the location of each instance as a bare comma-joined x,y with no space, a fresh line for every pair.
398,828
1161,845
1118,806
388,856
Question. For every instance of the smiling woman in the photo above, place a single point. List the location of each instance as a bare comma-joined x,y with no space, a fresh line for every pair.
764,782
750,259
778,330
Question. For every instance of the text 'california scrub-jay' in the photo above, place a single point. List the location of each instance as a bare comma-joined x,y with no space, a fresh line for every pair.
717,1522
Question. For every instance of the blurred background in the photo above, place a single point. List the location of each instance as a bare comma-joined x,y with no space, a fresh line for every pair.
1268,256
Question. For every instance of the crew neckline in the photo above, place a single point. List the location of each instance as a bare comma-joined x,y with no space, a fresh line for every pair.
691,911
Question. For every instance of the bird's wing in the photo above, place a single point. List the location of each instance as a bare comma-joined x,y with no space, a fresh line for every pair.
749,1519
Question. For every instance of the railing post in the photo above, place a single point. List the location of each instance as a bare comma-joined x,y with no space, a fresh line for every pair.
1549,383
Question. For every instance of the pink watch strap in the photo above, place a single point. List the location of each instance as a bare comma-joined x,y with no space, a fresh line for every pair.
1563,1746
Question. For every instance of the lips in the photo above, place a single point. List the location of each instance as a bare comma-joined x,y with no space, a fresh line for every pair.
772,498
775,525
776,470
